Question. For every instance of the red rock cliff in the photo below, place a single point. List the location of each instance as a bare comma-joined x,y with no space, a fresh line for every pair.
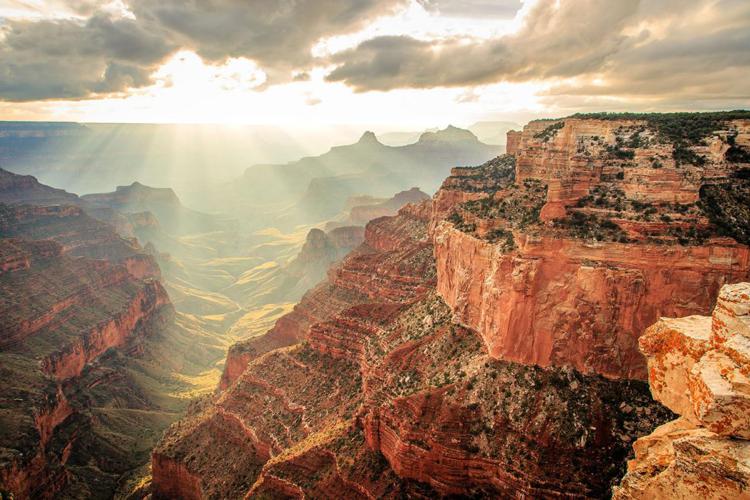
565,258
59,314
386,397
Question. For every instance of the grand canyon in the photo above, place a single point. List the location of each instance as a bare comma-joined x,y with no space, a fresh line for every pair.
376,249
485,341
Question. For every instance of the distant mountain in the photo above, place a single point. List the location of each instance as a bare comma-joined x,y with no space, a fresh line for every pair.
316,188
16,188
172,215
488,132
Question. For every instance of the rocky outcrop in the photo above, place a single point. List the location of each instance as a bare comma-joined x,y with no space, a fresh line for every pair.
564,252
79,235
59,315
698,367
362,214
513,140
385,396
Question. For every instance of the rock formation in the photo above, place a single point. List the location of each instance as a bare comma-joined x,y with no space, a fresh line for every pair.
79,235
699,368
362,214
563,253
59,315
485,343
377,393
162,203
16,188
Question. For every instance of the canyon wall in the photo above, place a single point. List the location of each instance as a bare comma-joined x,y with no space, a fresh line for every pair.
567,257
384,396
59,315
486,343
78,233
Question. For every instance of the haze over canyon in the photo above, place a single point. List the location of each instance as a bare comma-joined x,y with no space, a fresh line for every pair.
359,249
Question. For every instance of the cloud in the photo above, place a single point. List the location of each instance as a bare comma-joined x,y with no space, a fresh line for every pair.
501,9
69,59
632,46
277,34
678,49
553,42
100,53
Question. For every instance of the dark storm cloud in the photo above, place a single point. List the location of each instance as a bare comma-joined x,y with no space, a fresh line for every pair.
67,59
695,42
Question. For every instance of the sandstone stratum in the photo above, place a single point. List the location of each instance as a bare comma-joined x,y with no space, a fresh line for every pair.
699,368
486,342
94,361
59,315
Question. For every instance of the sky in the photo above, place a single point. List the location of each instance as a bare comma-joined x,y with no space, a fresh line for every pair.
403,64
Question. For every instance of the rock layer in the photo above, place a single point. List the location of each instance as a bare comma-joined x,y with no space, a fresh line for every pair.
563,253
59,315
385,397
698,367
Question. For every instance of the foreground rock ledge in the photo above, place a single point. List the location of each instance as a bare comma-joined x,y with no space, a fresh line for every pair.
698,367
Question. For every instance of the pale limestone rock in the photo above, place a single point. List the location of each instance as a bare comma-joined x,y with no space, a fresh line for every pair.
721,395
681,461
672,347
698,367
731,316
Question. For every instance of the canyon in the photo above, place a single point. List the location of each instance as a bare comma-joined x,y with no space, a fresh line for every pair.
95,360
110,324
485,342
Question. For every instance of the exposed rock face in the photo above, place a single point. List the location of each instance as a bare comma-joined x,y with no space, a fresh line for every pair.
79,234
58,315
387,242
563,253
386,397
513,139
414,370
698,367
362,214
556,302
